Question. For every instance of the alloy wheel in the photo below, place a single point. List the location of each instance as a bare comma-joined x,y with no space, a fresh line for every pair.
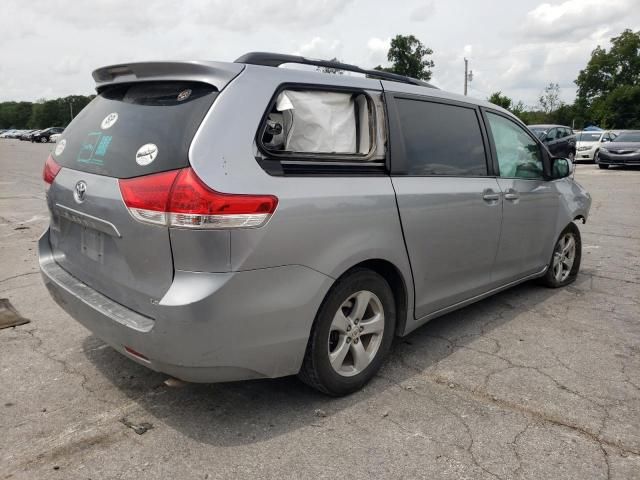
356,333
564,256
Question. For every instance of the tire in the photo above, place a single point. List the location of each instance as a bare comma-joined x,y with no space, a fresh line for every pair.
562,269
603,166
572,156
596,156
44,139
336,332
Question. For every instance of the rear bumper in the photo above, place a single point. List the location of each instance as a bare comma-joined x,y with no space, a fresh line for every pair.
209,327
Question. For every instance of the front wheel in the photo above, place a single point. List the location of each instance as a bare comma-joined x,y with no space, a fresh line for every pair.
603,166
351,335
565,260
44,139
572,156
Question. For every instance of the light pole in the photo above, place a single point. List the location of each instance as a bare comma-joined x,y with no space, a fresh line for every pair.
71,109
468,75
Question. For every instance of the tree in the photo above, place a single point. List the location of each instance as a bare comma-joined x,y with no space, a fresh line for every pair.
550,101
608,88
336,71
501,100
408,56
607,71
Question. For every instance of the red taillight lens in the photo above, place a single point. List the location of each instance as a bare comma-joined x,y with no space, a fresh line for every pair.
51,169
179,198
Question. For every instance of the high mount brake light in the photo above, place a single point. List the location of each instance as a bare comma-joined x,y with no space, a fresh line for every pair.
178,198
51,169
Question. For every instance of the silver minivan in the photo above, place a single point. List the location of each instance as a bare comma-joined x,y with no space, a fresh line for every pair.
229,221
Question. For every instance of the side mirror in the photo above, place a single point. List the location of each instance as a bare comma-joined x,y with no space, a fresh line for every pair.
562,167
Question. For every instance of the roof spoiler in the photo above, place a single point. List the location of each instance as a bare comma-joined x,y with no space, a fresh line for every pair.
218,74
276,59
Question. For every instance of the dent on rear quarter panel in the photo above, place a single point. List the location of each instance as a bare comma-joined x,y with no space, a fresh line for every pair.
328,224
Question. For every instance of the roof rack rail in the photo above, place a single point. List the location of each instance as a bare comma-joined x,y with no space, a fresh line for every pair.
276,59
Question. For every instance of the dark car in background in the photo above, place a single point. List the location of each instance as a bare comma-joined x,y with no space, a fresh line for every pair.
622,150
43,136
559,139
26,134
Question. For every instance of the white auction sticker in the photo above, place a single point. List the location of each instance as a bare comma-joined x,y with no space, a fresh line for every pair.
146,154
109,121
60,147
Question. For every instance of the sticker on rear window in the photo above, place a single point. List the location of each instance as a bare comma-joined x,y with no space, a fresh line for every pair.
109,121
94,148
60,147
146,154
184,94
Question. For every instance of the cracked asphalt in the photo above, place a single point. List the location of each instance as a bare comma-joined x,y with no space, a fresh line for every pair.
529,384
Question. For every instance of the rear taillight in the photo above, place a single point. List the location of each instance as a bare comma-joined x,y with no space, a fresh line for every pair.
179,199
51,169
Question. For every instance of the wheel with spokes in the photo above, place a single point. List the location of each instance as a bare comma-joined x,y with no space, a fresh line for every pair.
565,260
351,335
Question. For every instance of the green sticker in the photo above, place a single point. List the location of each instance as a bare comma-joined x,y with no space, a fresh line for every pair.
94,148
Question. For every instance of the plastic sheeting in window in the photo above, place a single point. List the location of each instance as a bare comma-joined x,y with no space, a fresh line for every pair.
320,121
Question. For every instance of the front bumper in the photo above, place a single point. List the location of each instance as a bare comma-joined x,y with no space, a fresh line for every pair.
585,155
608,158
209,327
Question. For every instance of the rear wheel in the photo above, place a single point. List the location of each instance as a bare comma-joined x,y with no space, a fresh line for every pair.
603,166
44,139
572,156
565,261
351,335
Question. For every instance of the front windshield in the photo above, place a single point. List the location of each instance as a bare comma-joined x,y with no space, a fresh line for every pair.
628,137
588,136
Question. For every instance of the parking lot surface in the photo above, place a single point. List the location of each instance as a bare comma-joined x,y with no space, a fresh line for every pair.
531,383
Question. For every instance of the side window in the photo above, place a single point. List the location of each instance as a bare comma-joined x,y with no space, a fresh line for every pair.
551,135
567,132
320,123
518,154
441,139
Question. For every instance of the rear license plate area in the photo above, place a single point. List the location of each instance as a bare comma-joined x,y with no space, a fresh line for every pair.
92,244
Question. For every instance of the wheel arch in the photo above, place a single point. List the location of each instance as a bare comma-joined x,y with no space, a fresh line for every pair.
392,274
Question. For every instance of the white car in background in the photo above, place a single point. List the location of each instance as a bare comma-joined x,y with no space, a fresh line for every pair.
588,143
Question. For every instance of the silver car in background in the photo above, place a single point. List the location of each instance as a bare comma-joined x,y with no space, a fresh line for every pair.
228,221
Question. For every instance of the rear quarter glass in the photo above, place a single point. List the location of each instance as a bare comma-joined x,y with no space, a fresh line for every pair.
126,121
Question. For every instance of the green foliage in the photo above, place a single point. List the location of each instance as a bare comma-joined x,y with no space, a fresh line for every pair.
608,87
408,55
501,100
43,113
549,101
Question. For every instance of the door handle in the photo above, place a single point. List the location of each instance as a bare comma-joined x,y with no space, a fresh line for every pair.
489,195
511,194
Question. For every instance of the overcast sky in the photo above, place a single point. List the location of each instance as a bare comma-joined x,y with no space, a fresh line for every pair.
49,48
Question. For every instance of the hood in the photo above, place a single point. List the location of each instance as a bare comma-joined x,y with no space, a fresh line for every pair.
615,146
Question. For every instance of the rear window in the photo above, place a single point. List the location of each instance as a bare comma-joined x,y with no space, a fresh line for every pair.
136,129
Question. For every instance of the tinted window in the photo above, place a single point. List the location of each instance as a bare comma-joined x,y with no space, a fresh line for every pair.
441,139
518,153
107,134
